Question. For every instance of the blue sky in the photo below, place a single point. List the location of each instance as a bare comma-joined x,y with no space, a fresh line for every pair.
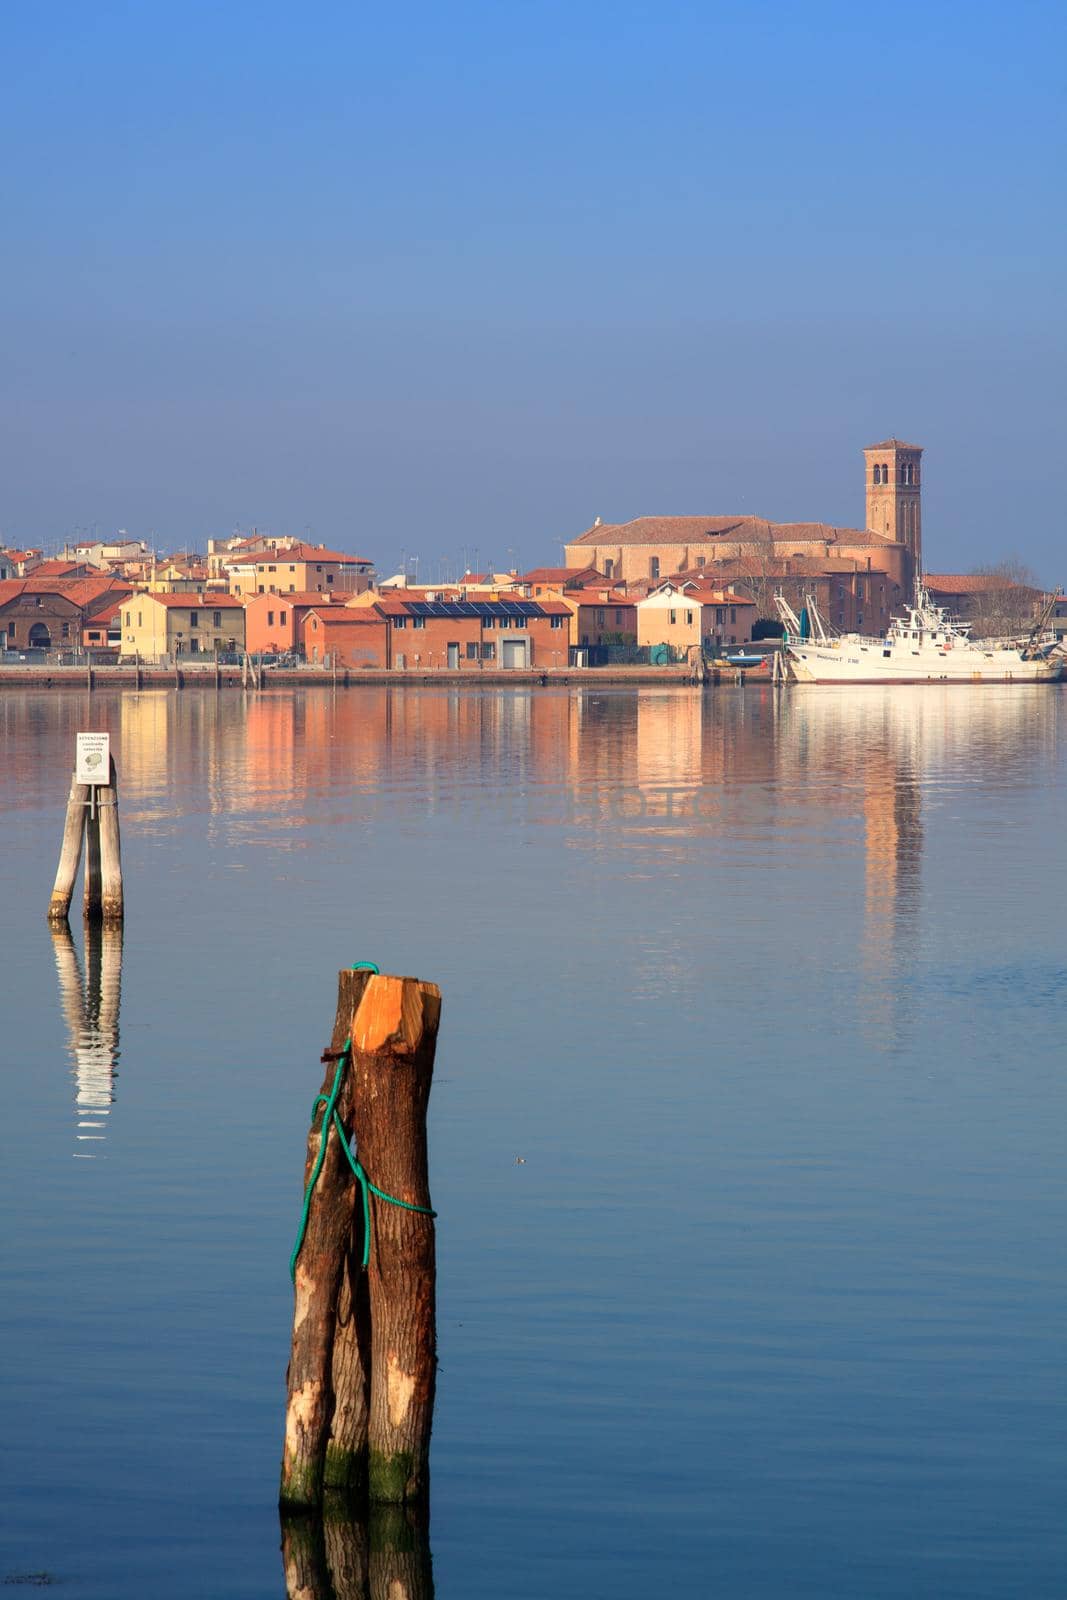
460,278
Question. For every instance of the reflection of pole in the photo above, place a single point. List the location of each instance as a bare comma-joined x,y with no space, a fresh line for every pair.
91,1007
344,1554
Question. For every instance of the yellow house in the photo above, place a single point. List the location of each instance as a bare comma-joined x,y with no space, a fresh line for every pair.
155,625
685,617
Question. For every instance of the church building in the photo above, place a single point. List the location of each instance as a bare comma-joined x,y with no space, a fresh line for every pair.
863,571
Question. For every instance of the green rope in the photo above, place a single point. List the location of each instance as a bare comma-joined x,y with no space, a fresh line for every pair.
367,1188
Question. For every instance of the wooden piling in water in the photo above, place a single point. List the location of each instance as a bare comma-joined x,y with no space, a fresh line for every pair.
362,1371
70,853
394,1040
92,897
317,1275
112,906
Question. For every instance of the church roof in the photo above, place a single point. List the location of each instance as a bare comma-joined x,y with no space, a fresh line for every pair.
728,530
894,444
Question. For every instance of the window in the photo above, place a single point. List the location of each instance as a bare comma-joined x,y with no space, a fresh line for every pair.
618,617
194,619
653,566
329,577
400,622
270,619
292,588
274,569
318,566
194,645
733,613
216,619
720,614
674,618
418,622
261,588
505,622
282,615
129,619
139,616
600,619
609,569
472,650
487,622
488,652
65,630
689,616
556,622
701,560
291,567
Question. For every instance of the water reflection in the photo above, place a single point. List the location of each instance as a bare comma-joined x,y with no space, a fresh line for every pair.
91,1007
354,1554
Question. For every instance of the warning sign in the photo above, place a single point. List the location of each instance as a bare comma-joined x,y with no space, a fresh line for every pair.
94,758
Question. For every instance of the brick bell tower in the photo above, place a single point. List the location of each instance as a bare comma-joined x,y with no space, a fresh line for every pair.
894,494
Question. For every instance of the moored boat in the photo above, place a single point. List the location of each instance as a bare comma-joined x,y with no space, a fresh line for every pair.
925,645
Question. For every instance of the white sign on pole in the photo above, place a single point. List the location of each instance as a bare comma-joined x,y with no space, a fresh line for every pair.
94,758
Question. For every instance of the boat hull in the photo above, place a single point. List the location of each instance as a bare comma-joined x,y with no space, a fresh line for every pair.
858,662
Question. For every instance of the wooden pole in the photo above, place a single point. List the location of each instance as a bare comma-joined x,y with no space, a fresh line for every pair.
318,1277
70,853
346,1450
107,811
92,906
394,1038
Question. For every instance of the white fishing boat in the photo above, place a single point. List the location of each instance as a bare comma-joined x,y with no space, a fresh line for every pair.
926,645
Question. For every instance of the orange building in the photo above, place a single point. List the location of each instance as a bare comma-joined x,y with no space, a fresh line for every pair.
274,622
345,636
459,635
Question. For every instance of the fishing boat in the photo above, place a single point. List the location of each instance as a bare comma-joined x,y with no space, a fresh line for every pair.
926,645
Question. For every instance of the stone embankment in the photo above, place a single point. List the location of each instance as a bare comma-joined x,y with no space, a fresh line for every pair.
229,677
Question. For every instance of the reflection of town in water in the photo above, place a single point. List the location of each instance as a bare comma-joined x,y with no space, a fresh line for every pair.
641,778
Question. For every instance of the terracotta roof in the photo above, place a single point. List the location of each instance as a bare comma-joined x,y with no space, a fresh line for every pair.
568,575
296,552
972,583
345,616
80,592
57,569
725,530
197,602
302,597
894,444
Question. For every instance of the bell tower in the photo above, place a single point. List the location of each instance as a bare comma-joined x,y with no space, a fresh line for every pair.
894,494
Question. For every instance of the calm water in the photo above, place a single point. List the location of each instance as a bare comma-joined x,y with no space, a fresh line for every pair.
771,995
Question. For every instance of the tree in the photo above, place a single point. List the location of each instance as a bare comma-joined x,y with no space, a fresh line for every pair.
1005,602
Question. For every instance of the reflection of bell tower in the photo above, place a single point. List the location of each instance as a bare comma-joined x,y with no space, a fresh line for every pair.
894,494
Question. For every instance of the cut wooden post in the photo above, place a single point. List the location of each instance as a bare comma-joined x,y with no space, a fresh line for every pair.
318,1276
70,853
91,900
394,1037
346,1450
107,813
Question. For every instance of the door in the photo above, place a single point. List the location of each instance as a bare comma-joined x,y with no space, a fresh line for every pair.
513,653
453,657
